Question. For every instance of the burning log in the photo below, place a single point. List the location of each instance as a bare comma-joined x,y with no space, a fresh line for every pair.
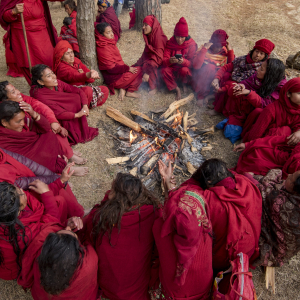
117,160
173,117
148,166
145,117
133,171
176,104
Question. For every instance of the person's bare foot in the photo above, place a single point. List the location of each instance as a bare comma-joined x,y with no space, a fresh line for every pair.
212,112
78,160
201,103
184,88
80,171
133,95
121,94
77,153
178,93
153,92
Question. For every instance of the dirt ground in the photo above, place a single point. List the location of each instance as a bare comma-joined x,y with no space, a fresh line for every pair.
245,22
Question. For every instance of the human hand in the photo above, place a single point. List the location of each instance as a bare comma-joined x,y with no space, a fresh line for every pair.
19,8
94,74
294,138
133,70
39,187
66,173
81,71
146,77
166,173
28,108
239,148
173,60
75,223
215,84
55,127
86,109
228,46
180,60
207,45
64,132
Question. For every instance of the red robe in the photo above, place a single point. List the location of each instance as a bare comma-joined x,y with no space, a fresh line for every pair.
39,144
127,258
184,242
65,102
132,19
116,74
41,34
83,283
205,65
110,17
173,72
152,56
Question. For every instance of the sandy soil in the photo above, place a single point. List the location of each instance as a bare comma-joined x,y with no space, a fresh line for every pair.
245,22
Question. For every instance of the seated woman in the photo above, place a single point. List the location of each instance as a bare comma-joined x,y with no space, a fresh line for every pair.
107,14
69,104
152,56
207,61
240,69
116,74
22,216
177,60
120,228
57,266
35,140
70,8
9,92
234,204
183,237
257,91
71,70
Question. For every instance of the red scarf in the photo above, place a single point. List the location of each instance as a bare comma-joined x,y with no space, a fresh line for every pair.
60,49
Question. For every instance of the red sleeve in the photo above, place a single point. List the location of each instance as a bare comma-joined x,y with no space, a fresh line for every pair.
67,88
199,57
141,60
66,116
189,57
70,75
118,69
56,186
227,68
9,17
230,56
166,59
254,99
86,70
41,126
50,206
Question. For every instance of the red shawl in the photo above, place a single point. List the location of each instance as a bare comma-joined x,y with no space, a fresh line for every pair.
132,19
42,148
34,219
65,102
110,17
173,45
84,282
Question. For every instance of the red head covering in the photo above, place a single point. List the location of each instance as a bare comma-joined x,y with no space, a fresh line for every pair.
292,86
219,37
181,28
149,20
264,45
60,49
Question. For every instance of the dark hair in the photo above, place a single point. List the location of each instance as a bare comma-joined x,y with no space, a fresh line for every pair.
71,4
296,187
274,74
101,27
186,38
67,21
211,172
60,257
37,74
251,53
12,227
8,109
127,194
3,91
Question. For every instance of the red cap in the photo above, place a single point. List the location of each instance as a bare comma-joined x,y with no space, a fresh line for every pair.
264,45
219,37
149,20
181,28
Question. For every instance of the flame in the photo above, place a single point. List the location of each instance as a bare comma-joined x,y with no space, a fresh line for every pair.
132,137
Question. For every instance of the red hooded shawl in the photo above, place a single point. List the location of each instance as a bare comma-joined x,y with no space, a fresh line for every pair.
84,281
33,217
65,102
42,148
278,114
110,17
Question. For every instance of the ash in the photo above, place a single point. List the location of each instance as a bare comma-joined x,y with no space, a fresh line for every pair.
195,158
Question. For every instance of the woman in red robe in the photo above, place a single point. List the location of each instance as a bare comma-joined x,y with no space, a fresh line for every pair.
240,69
208,60
68,33
41,34
120,228
70,69
116,74
69,104
107,14
23,216
71,8
57,266
152,56
178,69
183,237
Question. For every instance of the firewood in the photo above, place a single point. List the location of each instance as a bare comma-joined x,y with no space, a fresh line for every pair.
137,113
190,168
192,116
173,117
193,149
207,148
133,171
185,120
176,104
118,116
192,122
270,278
117,160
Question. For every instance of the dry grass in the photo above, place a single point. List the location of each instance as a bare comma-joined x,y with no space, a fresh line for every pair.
245,22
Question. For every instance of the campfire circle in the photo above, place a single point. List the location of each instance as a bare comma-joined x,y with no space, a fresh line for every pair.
169,136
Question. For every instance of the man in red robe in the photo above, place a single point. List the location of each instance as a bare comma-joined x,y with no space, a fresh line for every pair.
177,60
41,34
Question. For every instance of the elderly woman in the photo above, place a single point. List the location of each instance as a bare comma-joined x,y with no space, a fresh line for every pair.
57,266
70,69
120,228
107,14
152,56
22,216
207,61
35,140
177,60
240,69
69,104
116,74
